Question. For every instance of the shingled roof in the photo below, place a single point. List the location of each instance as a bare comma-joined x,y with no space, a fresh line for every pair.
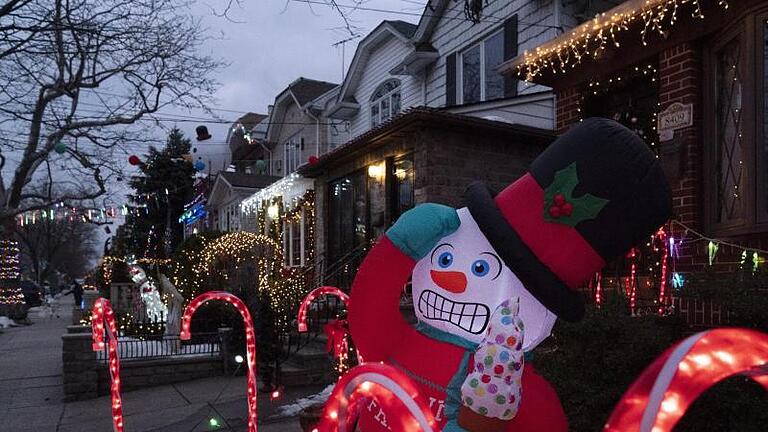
405,28
306,90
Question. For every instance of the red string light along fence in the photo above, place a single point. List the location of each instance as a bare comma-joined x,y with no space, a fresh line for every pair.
658,399
338,332
250,341
103,321
391,389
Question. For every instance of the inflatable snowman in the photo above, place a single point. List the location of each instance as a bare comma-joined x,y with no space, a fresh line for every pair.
490,279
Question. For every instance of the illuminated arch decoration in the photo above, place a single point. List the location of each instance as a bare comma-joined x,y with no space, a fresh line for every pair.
657,400
250,341
102,314
392,390
231,252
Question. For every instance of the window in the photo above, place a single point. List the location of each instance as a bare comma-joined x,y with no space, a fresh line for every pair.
403,180
479,79
471,74
735,129
385,102
292,153
730,142
293,242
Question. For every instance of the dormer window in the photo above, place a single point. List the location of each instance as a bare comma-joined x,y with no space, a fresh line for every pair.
385,102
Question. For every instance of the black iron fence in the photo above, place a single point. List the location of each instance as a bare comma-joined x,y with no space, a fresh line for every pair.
201,345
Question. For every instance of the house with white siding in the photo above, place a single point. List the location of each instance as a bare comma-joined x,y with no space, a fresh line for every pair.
370,93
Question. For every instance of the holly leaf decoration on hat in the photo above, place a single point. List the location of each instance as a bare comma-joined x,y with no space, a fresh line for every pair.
560,206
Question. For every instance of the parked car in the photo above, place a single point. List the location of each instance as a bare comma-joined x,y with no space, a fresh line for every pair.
32,295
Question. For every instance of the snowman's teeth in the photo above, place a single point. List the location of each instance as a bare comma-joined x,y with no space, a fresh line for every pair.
472,317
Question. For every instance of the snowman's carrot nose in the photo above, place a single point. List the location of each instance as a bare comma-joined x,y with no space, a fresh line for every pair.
453,281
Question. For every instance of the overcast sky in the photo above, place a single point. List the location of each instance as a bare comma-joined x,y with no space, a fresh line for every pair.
274,42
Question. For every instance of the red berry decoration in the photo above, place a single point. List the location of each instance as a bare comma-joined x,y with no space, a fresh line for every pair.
554,211
134,160
486,379
559,199
566,209
313,160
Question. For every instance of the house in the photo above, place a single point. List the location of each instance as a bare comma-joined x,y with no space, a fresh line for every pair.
421,155
693,87
297,128
403,150
228,191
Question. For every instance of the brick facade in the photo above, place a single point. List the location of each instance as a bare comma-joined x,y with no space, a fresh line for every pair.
446,158
454,160
681,79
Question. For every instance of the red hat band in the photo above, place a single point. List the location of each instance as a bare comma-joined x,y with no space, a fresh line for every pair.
560,247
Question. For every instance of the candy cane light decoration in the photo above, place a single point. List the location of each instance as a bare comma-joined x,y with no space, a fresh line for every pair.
660,396
304,307
250,340
391,388
315,293
102,313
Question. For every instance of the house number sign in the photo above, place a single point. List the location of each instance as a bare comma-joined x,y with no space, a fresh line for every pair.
676,116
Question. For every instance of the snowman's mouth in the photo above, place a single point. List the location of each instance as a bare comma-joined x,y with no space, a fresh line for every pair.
472,317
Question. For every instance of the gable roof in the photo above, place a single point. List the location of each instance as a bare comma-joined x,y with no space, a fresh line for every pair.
302,92
405,28
433,11
400,29
306,90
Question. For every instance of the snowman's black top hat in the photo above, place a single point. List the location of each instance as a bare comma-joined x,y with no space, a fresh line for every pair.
593,194
202,133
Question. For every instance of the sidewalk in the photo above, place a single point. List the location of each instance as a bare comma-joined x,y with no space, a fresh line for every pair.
31,393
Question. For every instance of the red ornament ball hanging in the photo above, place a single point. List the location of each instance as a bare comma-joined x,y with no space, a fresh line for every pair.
313,160
134,160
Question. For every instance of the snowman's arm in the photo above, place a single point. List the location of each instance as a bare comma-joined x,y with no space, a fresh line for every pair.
375,321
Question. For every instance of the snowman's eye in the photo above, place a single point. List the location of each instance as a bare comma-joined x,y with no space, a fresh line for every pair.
480,268
445,259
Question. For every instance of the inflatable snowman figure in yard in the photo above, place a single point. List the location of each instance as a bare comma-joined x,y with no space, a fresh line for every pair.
490,279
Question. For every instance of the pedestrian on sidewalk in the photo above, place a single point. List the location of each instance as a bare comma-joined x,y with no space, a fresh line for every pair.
76,291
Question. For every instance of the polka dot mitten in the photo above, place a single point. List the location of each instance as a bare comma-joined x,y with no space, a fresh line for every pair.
491,393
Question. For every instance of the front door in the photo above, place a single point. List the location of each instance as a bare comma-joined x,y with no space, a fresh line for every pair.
347,215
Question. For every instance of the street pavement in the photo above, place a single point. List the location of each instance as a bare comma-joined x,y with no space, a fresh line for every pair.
31,393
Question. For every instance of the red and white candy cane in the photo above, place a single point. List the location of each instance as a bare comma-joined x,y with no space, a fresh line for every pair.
250,340
102,313
391,388
315,293
657,400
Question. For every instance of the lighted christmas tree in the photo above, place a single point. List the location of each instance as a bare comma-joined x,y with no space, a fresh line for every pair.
10,290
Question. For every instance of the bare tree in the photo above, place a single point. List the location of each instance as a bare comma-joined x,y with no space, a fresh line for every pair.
63,246
75,94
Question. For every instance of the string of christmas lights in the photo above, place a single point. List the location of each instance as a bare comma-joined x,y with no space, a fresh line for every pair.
590,39
10,272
